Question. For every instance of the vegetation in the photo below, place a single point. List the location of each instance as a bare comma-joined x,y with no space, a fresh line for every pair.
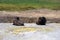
29,4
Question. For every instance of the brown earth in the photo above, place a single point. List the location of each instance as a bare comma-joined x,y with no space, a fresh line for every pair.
30,15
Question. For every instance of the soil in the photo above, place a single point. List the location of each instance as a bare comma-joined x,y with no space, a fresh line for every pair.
51,15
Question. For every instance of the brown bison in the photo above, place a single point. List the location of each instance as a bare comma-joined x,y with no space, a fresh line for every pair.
17,22
41,21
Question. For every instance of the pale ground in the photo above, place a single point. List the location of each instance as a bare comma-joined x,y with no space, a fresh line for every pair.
30,31
33,13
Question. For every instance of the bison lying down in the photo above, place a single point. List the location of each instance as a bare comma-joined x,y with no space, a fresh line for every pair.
17,22
41,21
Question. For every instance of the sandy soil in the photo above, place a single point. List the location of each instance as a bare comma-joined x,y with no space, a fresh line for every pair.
33,13
51,15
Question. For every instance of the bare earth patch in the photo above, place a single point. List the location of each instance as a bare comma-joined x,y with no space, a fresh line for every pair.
32,13
49,14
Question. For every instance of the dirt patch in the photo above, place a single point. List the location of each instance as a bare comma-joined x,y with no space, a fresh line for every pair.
30,15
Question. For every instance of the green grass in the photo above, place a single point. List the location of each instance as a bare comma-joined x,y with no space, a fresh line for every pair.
29,4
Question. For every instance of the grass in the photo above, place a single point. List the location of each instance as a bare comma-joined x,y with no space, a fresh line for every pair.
29,4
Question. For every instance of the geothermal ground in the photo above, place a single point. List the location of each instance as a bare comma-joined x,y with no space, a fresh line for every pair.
30,31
